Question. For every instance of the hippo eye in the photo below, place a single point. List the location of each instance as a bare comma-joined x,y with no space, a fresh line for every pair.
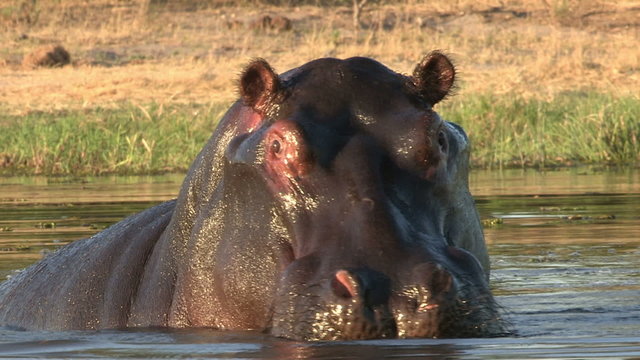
442,141
275,147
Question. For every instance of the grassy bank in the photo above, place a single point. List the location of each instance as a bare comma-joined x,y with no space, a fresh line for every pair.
571,129
127,140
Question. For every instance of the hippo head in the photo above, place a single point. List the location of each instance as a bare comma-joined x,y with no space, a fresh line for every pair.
344,210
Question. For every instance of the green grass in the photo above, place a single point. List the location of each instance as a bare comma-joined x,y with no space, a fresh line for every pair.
128,140
572,129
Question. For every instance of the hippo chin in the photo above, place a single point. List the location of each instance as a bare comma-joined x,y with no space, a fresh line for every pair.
330,203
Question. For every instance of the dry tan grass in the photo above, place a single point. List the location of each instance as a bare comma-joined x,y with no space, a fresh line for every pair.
536,48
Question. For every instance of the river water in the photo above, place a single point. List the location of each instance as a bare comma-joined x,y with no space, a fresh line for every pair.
565,249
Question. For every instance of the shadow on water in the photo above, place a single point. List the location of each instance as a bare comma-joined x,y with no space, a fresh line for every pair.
565,248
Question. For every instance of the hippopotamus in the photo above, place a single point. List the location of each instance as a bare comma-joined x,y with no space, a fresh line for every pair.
330,203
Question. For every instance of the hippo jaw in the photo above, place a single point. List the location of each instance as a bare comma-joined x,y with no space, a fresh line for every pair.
368,218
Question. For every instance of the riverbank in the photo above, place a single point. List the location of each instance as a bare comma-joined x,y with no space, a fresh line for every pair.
505,131
540,83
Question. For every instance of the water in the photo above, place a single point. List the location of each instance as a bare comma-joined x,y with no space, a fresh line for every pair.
565,248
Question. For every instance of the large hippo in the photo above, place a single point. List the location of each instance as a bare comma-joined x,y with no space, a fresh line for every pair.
330,203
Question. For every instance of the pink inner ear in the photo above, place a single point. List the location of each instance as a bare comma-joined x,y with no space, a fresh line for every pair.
258,84
434,77
264,90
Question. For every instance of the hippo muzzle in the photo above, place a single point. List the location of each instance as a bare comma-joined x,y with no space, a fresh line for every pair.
331,203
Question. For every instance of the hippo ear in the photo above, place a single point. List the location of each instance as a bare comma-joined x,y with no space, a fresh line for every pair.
434,77
258,84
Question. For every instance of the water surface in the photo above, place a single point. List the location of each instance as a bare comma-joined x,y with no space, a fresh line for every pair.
565,249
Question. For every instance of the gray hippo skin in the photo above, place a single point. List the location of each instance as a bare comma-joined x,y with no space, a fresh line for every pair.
330,203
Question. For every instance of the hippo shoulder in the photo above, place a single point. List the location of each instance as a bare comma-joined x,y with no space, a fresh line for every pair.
82,282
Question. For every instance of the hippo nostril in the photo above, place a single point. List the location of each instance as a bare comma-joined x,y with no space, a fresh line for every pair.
441,280
413,304
437,279
344,284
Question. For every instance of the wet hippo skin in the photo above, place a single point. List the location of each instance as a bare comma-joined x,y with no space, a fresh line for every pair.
330,203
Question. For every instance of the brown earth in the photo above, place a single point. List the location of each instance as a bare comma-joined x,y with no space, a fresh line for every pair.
126,50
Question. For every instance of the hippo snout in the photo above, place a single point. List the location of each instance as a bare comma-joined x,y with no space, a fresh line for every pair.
425,299
412,308
372,289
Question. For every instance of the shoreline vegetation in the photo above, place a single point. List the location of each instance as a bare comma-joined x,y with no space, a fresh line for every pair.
506,132
542,84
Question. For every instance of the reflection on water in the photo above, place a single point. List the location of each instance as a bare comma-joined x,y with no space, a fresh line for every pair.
565,248
38,215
